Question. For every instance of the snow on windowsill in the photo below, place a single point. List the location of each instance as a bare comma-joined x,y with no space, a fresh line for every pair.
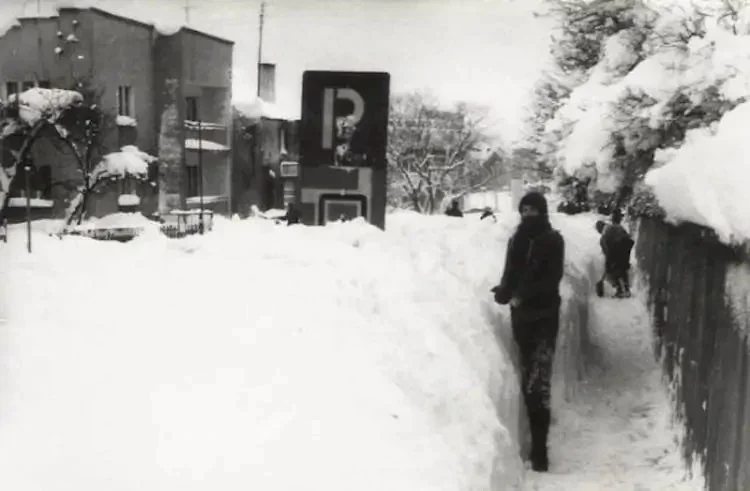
195,144
128,200
126,121
34,202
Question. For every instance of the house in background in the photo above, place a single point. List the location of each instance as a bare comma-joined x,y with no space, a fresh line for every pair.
266,150
155,85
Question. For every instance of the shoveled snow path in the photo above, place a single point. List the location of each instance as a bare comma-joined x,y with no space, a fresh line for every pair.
617,432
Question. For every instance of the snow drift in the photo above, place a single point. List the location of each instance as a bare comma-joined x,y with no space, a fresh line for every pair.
266,357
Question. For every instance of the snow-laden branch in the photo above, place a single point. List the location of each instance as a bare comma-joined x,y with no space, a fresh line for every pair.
128,162
26,114
38,104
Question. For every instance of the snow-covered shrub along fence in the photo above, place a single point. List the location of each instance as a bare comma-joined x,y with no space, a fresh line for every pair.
699,292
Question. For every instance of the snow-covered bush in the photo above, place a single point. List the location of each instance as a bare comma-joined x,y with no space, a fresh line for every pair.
662,80
128,162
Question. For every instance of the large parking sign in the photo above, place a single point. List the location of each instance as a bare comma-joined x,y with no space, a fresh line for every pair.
343,138
344,119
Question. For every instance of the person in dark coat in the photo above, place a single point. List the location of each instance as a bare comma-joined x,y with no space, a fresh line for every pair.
530,283
487,213
454,210
616,245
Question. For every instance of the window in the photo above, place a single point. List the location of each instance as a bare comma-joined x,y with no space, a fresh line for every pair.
192,180
11,88
125,101
27,86
127,186
191,108
44,84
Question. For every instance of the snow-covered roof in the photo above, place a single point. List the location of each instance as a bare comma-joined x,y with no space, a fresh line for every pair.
8,25
260,109
208,145
38,103
165,26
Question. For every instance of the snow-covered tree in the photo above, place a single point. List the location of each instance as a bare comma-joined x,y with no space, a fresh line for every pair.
646,75
83,135
432,152
129,162
23,118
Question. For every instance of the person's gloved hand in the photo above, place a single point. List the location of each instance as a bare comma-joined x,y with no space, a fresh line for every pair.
501,296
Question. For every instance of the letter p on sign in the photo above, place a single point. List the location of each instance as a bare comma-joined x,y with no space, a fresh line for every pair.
329,117
360,97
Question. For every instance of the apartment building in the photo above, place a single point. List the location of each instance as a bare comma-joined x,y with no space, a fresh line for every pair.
169,93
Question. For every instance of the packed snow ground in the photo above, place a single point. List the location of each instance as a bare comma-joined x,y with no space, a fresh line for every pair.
617,433
279,358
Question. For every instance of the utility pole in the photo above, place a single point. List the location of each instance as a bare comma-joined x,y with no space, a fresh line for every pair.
27,182
200,172
187,11
260,41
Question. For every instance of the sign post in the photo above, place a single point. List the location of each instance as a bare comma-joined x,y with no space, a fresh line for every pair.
343,140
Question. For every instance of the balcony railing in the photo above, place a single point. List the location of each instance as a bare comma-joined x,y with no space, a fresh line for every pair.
201,130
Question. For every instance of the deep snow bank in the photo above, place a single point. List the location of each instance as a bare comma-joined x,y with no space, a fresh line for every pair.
262,357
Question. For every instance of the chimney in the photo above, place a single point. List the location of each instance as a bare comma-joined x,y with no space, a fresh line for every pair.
267,80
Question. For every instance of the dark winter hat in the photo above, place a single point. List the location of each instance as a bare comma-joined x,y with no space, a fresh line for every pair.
535,200
617,216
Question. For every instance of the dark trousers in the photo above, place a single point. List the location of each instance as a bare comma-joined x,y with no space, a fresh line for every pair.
618,274
536,340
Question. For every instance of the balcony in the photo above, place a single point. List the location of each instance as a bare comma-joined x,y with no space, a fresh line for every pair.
210,133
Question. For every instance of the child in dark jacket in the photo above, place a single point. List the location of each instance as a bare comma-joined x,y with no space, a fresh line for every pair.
531,285
616,245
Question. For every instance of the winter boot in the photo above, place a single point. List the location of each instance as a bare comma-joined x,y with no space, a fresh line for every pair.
539,430
539,458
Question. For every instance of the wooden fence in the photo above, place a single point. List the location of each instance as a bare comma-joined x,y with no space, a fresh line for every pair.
705,354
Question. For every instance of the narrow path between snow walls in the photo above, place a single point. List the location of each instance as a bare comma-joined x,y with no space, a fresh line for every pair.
267,357
475,251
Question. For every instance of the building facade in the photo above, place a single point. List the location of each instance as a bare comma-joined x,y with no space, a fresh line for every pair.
167,93
266,151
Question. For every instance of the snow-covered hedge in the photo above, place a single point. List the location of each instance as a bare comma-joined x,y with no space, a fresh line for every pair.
660,87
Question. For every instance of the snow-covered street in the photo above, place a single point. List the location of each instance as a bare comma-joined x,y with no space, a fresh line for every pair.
617,434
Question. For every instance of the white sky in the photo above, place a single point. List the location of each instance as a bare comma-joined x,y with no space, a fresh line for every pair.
485,51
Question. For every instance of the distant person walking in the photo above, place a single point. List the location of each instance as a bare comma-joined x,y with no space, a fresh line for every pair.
530,283
292,215
616,245
454,210
488,213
